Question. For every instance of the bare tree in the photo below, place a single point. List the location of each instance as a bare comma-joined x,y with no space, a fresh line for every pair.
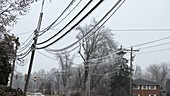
43,81
98,43
65,73
138,73
159,72
10,10
77,78
56,81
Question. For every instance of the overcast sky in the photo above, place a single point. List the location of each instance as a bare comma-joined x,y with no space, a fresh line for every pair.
133,14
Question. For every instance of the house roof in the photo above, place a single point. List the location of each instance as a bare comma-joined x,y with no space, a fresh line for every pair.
144,82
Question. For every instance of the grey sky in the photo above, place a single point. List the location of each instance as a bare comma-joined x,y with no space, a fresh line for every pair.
133,14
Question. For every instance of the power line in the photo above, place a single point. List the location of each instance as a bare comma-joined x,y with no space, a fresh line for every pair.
102,58
73,25
92,64
54,50
166,49
155,45
46,29
23,62
21,49
46,55
28,39
23,55
151,41
25,47
24,33
149,29
57,50
107,73
113,29
67,23
49,52
67,14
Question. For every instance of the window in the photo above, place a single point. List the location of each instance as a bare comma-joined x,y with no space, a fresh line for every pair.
144,87
152,87
135,87
136,94
152,94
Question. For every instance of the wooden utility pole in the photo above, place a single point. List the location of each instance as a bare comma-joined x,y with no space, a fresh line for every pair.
33,51
33,47
13,66
89,83
131,60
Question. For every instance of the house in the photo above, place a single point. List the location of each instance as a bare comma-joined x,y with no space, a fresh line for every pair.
143,87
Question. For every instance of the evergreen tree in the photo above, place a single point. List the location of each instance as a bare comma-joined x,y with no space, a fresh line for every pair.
6,57
119,82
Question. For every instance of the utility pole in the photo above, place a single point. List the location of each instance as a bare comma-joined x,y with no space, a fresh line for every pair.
13,66
131,60
33,51
88,85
